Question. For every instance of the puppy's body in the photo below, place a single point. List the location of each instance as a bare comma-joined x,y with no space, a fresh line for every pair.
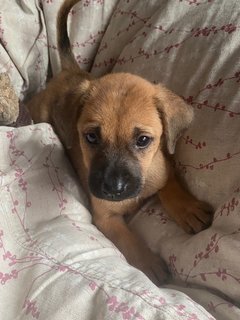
116,130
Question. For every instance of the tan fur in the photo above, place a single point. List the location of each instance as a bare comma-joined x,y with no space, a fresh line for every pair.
74,104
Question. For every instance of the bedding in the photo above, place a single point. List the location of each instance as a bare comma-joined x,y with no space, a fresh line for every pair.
54,262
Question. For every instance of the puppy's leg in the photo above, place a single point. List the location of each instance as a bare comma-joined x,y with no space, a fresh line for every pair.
132,247
191,214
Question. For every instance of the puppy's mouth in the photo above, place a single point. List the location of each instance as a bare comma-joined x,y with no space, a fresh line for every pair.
114,184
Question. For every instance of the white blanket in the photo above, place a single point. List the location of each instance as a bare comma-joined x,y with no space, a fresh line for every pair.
54,263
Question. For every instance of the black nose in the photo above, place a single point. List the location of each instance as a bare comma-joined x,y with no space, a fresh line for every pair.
114,186
114,180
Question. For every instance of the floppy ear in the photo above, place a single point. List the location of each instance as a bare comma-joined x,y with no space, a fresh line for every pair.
66,111
175,114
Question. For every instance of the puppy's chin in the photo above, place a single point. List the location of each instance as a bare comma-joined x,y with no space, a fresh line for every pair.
115,197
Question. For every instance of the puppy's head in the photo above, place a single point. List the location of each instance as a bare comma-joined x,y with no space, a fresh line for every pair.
122,121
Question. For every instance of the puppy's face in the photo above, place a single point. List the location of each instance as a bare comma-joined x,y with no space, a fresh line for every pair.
120,120
120,131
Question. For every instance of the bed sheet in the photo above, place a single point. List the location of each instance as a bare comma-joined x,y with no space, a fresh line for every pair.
54,264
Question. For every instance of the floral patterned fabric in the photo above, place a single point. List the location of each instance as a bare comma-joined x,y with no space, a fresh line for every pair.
54,263
52,258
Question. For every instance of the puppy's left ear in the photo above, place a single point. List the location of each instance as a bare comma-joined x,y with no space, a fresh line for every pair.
175,114
67,110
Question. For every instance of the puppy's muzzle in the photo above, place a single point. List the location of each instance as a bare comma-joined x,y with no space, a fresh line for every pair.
114,181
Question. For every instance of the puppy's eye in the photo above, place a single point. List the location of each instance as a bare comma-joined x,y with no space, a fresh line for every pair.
92,138
143,142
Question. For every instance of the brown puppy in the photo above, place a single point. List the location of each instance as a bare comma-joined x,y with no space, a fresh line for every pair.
116,130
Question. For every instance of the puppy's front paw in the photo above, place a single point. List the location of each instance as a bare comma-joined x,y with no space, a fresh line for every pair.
193,215
151,264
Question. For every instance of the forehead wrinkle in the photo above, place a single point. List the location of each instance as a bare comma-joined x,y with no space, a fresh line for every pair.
107,110
119,109
142,113
133,113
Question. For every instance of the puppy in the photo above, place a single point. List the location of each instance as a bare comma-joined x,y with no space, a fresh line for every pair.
118,131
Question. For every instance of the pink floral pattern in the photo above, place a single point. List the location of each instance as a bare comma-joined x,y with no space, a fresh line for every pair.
50,251
48,247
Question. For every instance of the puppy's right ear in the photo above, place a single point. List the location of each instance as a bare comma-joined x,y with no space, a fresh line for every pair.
67,110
